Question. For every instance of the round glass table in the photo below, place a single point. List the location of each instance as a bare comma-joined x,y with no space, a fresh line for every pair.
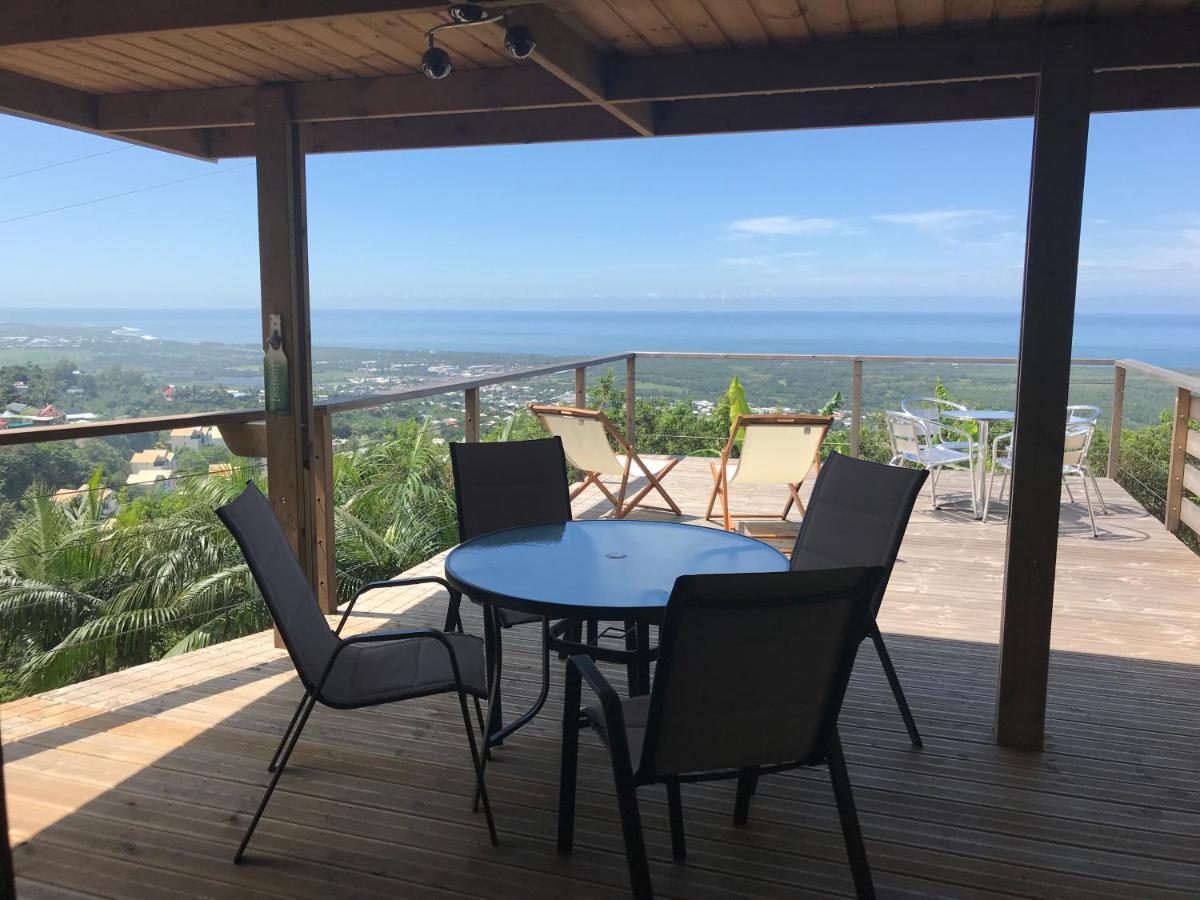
600,569
592,571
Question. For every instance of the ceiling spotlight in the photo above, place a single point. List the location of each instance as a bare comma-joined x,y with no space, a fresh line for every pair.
519,42
435,62
468,13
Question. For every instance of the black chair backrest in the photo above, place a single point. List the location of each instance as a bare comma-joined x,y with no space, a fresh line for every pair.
304,629
752,668
509,485
858,513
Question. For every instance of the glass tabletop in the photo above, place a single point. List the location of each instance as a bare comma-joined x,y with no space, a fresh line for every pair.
602,569
980,415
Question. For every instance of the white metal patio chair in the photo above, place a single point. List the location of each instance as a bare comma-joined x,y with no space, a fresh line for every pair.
913,442
930,409
585,435
1084,414
1075,465
776,449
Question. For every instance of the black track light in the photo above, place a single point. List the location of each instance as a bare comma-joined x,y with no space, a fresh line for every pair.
435,62
468,13
519,42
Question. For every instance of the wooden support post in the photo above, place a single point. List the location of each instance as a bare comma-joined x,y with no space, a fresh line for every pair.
630,394
1175,467
581,387
1043,380
856,408
471,415
1114,433
283,268
322,481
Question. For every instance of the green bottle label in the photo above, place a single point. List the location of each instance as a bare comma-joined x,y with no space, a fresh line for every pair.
275,380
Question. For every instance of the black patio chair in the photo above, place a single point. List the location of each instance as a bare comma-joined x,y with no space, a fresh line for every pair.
751,674
354,672
857,516
508,485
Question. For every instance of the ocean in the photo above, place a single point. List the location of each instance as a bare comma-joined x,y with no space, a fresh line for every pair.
1167,340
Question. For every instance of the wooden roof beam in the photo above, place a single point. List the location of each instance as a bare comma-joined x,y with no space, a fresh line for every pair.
469,91
42,101
992,99
34,21
571,59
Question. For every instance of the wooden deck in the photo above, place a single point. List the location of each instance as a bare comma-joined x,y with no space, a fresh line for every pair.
139,784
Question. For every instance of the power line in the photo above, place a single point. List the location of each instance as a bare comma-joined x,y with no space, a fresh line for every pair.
141,190
65,162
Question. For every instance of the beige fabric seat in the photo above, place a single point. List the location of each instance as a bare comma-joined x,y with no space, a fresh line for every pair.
776,449
586,436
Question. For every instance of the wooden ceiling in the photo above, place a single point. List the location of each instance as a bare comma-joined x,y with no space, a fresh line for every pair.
184,69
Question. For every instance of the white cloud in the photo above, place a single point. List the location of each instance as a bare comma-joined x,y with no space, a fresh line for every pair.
941,221
767,258
792,226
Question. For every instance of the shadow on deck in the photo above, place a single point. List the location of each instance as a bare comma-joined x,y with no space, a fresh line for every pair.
140,783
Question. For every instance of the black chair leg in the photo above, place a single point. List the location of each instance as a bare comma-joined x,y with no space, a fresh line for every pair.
453,615
480,787
864,887
307,709
287,733
572,688
632,669
631,826
898,692
746,786
675,808
494,661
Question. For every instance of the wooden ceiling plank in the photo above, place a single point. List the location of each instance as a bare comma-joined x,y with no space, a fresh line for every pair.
249,45
783,20
34,21
740,21
43,70
199,66
920,15
564,54
401,58
352,55
602,19
873,17
1067,9
1017,11
829,18
247,71
695,23
652,25
968,12
128,58
284,42
82,72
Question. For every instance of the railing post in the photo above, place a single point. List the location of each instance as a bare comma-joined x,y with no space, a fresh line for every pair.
1179,433
1114,434
581,387
323,500
471,415
630,390
856,408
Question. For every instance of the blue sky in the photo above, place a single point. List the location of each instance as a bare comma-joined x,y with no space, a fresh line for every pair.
911,217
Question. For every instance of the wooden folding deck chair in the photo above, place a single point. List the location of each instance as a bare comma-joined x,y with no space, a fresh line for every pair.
776,449
585,434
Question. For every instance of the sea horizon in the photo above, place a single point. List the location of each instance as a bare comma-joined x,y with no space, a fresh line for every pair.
1168,339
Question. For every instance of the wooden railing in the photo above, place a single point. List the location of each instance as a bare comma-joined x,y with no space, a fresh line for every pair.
1182,476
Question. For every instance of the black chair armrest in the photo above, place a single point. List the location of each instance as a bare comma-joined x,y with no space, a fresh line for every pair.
610,700
394,582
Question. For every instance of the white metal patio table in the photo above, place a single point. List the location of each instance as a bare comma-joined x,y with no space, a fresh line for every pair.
984,418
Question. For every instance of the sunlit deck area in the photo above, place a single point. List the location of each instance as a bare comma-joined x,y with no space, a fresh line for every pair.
140,783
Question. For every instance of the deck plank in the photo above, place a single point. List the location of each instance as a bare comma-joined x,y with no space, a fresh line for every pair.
139,783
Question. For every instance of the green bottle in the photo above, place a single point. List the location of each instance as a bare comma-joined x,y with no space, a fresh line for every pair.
275,369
